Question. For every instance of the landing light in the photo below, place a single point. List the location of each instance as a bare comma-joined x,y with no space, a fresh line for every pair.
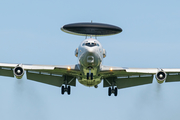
111,69
69,68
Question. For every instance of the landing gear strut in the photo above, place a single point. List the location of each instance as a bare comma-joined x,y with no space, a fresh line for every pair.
66,88
90,75
112,90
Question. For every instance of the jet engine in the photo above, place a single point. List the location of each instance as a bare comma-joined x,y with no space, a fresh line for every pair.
104,53
18,72
161,76
76,52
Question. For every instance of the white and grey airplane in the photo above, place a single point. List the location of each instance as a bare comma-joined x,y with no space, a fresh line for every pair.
90,71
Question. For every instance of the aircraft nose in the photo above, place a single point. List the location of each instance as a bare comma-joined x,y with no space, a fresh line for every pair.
90,57
90,50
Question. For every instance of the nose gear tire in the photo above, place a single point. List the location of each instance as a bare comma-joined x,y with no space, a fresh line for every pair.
87,76
91,76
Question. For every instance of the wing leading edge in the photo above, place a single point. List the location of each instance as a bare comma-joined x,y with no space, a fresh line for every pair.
123,77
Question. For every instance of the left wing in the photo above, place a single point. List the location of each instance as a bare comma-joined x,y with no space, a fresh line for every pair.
129,77
49,74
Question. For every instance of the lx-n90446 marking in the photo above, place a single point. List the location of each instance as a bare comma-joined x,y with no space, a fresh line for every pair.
90,71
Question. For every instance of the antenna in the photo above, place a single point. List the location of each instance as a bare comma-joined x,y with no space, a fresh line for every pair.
91,29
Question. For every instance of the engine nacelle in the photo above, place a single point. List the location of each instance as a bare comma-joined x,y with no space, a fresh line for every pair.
18,72
76,52
161,76
104,53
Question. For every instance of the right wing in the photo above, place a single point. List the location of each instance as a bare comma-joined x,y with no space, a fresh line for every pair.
48,74
129,77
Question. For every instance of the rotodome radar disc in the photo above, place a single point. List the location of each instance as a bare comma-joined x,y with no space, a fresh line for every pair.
91,29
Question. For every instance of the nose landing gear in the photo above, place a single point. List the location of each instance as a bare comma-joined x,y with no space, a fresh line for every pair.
90,74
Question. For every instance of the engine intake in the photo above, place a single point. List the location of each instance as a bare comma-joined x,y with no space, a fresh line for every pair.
18,72
161,76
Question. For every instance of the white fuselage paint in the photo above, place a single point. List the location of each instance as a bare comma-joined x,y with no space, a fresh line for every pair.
90,56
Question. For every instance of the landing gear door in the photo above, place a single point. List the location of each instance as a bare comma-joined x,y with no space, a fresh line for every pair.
71,80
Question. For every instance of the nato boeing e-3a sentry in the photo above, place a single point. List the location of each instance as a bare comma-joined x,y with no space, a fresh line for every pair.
90,71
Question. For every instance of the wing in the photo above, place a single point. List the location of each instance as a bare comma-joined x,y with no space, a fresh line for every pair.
49,74
129,77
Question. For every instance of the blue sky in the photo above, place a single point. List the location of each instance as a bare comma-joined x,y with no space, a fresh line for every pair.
30,33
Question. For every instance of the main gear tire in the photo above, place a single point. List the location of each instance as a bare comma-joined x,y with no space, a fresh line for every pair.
69,90
115,91
62,90
109,91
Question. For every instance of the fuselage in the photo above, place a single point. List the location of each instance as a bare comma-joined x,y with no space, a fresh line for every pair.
90,56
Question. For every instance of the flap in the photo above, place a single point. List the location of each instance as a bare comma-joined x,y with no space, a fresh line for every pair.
6,72
135,81
173,77
51,79
129,81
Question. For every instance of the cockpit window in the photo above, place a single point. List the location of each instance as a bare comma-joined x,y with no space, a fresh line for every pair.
90,44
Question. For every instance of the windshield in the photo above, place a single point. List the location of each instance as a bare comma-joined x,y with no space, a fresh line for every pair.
90,44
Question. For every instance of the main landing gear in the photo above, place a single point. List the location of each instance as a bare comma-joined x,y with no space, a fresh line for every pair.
66,88
112,90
